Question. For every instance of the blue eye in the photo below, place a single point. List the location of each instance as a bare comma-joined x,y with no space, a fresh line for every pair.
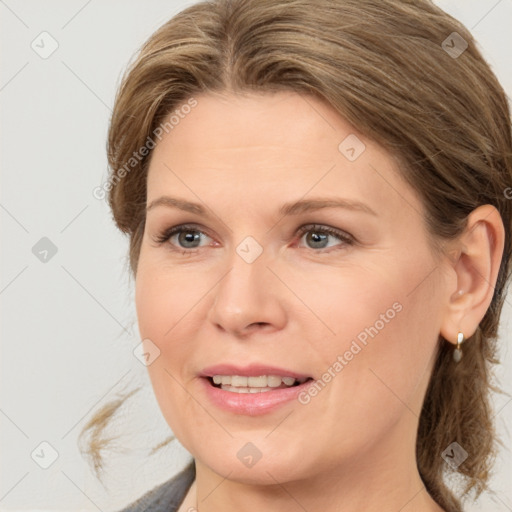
188,237
318,236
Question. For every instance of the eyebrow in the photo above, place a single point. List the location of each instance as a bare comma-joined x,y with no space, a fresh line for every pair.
295,208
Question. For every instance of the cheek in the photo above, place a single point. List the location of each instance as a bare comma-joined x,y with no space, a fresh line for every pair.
374,313
386,319
163,305
167,296
340,304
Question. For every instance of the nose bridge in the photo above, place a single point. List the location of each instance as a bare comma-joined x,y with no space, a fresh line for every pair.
241,289
245,295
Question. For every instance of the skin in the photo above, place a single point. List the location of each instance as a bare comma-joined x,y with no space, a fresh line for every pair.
299,305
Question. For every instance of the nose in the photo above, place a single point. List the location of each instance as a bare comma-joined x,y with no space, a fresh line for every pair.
248,299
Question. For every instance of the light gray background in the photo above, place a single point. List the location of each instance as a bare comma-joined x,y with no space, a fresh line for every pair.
68,324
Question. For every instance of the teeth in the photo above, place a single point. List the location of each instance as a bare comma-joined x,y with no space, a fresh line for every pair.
239,383
256,382
245,390
274,381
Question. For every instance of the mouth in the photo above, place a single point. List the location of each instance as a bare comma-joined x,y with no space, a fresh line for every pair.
255,384
252,390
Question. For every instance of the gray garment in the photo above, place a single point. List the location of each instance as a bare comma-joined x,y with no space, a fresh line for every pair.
166,497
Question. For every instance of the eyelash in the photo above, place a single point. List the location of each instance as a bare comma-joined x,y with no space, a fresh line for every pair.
166,235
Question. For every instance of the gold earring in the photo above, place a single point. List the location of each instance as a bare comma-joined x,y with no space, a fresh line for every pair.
457,353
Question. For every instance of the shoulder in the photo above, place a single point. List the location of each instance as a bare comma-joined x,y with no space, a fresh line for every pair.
166,497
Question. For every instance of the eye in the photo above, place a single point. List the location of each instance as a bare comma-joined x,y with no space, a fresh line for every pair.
188,237
317,236
185,237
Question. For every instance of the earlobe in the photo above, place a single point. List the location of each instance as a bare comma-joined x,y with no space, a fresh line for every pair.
476,262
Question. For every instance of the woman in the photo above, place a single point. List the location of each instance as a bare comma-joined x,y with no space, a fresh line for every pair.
316,199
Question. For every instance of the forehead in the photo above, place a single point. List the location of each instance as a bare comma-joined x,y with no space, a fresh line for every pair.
276,121
272,146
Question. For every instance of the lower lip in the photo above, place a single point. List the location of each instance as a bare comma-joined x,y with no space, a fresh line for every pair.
252,404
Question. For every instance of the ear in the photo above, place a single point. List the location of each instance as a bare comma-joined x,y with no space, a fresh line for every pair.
477,257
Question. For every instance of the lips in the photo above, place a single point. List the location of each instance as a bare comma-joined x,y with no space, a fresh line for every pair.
240,393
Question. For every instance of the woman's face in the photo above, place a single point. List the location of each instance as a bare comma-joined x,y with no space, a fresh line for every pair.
302,254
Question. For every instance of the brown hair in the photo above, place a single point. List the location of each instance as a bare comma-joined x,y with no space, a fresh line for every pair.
385,66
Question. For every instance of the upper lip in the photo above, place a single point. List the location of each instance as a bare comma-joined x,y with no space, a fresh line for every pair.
252,370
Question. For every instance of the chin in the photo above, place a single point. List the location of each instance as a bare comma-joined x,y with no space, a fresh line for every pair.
245,467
